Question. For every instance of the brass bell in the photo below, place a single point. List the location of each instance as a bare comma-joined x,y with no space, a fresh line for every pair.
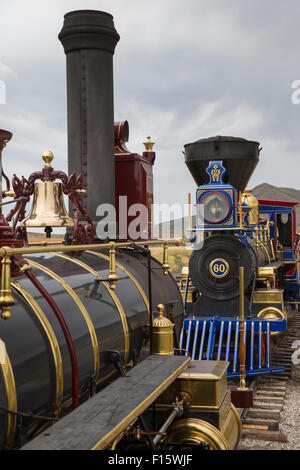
48,207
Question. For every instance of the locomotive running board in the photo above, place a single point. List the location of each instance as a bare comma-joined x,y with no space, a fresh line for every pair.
217,338
95,424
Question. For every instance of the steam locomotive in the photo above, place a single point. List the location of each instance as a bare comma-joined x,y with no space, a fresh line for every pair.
239,231
82,344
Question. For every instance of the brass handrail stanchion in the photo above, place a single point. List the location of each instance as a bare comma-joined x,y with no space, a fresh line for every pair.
6,298
242,349
112,277
165,265
242,397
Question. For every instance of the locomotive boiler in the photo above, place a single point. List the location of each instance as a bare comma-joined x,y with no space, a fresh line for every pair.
108,327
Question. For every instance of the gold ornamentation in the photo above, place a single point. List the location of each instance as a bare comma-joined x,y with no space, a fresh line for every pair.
268,296
9,194
215,173
204,381
196,431
271,313
6,298
11,396
114,298
48,157
219,271
252,202
232,428
128,273
149,145
112,276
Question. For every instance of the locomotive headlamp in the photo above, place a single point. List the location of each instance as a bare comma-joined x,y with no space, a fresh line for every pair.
215,207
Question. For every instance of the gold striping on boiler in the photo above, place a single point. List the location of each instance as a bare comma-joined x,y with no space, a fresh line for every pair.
114,298
52,340
128,273
81,307
11,394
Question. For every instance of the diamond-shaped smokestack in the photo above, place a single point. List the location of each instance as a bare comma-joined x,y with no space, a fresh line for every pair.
240,157
89,39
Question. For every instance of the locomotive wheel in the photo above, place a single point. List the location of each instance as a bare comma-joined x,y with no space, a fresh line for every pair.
214,269
192,431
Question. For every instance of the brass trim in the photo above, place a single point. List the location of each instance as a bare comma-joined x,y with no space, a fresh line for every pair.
195,430
232,427
9,251
131,417
128,273
266,271
271,313
269,296
11,394
267,253
238,419
81,307
114,298
52,341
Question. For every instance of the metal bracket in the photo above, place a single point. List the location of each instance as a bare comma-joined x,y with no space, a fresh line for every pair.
115,359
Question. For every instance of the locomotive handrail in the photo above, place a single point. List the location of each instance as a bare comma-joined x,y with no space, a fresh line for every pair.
9,251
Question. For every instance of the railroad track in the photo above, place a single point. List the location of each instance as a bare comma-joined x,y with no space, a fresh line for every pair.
262,420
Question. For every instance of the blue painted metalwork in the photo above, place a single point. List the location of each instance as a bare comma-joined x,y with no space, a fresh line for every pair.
211,331
216,172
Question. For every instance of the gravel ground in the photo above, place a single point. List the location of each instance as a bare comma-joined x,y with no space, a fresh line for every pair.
290,419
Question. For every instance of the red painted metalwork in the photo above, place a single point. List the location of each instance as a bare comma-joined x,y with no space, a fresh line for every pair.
66,332
8,234
293,204
269,202
133,179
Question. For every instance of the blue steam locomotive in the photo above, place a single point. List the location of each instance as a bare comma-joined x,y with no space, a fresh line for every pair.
233,229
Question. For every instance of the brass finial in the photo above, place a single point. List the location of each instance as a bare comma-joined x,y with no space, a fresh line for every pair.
160,309
161,320
149,145
48,157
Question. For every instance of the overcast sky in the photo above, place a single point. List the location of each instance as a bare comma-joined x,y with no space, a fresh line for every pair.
183,70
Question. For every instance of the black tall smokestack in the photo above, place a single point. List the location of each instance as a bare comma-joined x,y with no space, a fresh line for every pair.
89,39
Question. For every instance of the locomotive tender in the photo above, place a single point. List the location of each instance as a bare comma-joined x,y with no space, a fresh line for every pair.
239,231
